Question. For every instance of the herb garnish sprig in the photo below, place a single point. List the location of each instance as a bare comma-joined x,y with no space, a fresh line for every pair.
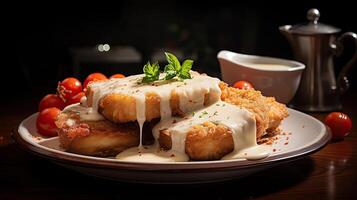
152,72
174,69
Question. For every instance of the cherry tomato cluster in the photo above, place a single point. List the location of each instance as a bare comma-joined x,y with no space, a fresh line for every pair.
69,91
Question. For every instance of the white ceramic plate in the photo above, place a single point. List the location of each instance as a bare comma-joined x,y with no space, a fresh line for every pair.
303,135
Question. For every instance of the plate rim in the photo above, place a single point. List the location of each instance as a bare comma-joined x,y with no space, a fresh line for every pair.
88,161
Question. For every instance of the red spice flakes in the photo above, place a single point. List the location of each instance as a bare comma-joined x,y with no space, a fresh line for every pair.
286,143
274,150
270,138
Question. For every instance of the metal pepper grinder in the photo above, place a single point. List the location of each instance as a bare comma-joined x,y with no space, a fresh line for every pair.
315,44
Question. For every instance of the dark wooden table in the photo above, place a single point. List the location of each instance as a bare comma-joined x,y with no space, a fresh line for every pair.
328,174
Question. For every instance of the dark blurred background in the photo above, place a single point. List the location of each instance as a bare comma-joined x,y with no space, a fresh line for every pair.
49,44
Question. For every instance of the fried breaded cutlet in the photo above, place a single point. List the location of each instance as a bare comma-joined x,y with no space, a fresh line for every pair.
268,112
277,112
98,138
121,106
207,141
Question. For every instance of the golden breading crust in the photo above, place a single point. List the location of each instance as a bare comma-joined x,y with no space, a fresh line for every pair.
268,112
251,100
277,113
98,138
206,141
122,108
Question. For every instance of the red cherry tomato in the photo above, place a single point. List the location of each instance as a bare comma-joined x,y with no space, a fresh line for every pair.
339,123
243,85
51,100
117,76
46,122
75,99
93,77
69,87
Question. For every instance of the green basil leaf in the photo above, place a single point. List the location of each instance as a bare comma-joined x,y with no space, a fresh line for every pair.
172,59
170,75
185,69
156,70
147,69
170,72
169,67
152,72
185,75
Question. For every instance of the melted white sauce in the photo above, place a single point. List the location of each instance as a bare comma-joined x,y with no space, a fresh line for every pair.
140,115
240,121
151,153
255,152
85,113
191,93
70,122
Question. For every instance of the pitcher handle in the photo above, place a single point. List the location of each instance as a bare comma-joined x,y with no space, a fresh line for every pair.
342,81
